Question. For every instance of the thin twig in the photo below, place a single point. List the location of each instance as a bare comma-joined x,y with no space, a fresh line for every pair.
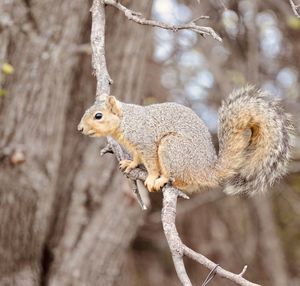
210,276
295,8
244,270
106,149
138,18
135,190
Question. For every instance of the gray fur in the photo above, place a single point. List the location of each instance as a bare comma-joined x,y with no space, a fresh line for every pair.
255,139
277,136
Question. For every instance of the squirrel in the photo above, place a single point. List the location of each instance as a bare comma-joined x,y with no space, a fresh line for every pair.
174,145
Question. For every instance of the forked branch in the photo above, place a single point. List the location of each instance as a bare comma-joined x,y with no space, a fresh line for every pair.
170,194
179,249
295,8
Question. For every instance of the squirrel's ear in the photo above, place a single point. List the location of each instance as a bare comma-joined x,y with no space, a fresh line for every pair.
112,105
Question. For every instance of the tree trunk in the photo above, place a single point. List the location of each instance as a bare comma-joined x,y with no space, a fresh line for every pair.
63,215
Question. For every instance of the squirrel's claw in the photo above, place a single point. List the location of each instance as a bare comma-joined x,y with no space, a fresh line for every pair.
149,183
124,164
127,165
160,182
154,183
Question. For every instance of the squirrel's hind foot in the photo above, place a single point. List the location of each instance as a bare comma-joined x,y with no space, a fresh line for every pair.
154,183
160,182
149,182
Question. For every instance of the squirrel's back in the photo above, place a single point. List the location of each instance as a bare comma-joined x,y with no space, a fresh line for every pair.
255,138
148,124
164,117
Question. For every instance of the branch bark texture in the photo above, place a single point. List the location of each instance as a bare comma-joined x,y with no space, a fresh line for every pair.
98,49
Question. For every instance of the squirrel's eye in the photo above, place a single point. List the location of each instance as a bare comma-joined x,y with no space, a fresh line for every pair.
98,116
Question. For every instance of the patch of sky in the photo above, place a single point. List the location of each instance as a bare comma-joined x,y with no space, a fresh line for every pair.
163,35
194,91
182,12
170,11
191,58
220,53
187,38
265,19
287,77
205,78
270,42
273,89
208,114
164,47
164,10
270,35
230,22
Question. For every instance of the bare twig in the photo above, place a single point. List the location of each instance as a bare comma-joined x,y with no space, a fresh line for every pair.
138,195
170,194
295,8
210,276
138,18
244,270
106,149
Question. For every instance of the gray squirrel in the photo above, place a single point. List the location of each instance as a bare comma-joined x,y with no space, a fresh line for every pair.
171,141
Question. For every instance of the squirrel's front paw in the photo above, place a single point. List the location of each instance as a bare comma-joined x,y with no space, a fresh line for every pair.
150,182
127,165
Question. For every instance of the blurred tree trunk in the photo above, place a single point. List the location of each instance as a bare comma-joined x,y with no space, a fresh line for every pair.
64,219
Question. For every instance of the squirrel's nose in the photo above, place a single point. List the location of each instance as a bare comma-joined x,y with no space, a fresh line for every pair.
80,127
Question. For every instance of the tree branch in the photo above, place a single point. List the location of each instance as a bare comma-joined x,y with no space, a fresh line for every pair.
138,18
103,78
98,50
178,249
170,194
295,8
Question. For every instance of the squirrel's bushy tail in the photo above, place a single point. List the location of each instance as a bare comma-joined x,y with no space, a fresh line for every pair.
255,137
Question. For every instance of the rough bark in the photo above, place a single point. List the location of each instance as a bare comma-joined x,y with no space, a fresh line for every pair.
90,240
32,117
63,209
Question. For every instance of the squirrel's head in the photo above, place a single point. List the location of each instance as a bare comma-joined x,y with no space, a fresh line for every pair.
101,119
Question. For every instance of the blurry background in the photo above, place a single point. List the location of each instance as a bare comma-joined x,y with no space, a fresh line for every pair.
67,216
